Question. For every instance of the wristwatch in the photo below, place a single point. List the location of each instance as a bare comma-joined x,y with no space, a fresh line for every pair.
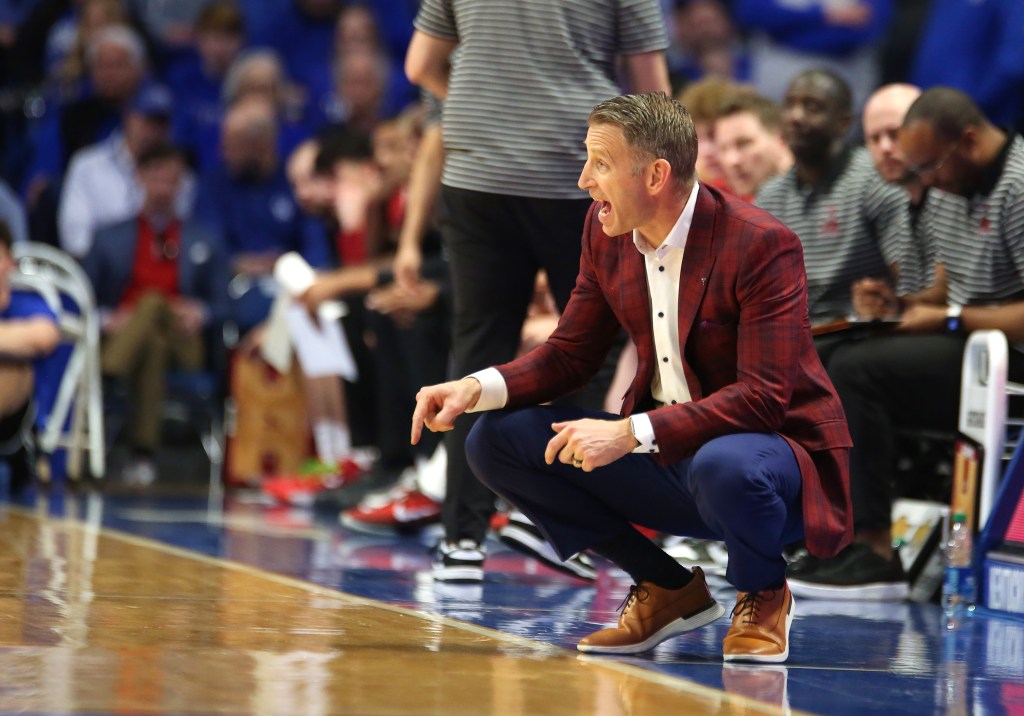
632,429
953,323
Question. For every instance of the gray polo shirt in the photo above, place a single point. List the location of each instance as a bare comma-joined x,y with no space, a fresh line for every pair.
852,225
527,74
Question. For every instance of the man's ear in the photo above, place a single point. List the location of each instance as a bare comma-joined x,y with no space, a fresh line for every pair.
969,141
844,120
659,173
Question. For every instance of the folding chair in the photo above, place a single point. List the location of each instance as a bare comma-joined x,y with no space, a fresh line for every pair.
985,394
75,421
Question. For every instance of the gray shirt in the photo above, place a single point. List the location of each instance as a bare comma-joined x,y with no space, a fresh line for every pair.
852,225
527,74
980,240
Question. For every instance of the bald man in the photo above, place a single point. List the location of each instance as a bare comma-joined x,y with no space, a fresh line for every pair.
883,115
916,270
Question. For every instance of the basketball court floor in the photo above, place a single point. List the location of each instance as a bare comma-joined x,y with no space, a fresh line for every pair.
164,604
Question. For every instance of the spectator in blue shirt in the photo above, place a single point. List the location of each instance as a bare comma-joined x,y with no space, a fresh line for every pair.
198,83
246,200
359,32
259,72
788,37
28,335
302,33
978,48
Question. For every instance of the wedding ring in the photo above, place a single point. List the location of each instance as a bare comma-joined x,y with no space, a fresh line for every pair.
576,462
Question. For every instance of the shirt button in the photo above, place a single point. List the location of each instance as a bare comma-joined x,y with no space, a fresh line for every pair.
664,360
654,451
661,314
673,402
661,268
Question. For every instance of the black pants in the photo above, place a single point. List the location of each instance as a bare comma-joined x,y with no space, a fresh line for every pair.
887,383
496,244
406,357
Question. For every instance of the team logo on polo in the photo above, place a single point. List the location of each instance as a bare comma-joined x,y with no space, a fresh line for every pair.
830,226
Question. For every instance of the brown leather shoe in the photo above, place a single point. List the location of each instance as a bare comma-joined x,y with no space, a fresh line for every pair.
652,614
760,626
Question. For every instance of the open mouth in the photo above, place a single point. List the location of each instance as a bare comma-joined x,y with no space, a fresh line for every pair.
605,211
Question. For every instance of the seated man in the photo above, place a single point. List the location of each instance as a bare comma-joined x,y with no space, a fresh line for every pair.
911,379
28,333
731,428
851,224
749,143
246,201
160,283
101,186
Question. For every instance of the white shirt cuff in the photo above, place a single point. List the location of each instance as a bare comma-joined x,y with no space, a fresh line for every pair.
643,431
493,391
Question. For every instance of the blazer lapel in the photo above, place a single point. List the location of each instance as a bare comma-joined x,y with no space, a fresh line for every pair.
698,260
636,311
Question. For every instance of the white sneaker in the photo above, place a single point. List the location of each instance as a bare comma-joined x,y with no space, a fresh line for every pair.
461,562
139,472
710,555
523,536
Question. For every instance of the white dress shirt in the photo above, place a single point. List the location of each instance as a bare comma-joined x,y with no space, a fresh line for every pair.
101,188
663,265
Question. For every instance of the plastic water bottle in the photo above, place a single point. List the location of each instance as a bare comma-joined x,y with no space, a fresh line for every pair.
959,591
951,688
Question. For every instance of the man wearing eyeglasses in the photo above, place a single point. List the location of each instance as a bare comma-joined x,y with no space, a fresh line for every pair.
911,379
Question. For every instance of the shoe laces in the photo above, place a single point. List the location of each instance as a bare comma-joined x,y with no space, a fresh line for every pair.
636,594
749,605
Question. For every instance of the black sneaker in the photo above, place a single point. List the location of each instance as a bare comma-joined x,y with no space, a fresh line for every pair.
803,562
22,467
856,573
333,500
523,536
710,555
459,562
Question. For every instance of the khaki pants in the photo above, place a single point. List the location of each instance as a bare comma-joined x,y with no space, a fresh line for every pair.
141,353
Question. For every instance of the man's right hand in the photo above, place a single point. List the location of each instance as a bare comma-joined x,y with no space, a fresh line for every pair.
873,298
437,406
117,321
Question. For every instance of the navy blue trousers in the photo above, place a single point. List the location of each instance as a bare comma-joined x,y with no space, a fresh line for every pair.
743,489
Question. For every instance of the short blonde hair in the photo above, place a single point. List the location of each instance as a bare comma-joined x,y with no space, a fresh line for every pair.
655,126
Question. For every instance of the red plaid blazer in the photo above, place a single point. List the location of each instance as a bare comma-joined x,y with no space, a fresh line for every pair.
745,336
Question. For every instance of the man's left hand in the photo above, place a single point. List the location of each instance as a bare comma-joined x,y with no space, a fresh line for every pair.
923,318
589,443
190,315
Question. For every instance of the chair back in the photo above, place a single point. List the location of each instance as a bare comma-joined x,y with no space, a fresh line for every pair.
75,420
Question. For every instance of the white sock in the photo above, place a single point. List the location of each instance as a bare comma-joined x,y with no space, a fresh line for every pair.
322,440
341,440
432,474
